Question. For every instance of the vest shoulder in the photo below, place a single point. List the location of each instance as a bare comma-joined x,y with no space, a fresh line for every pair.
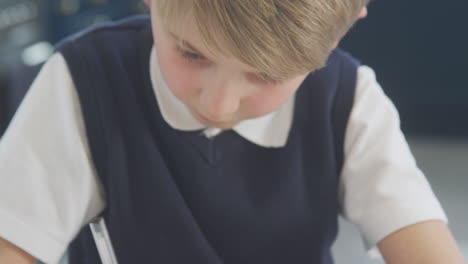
340,64
342,56
109,32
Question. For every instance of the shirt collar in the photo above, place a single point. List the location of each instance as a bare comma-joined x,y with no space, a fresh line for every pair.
271,130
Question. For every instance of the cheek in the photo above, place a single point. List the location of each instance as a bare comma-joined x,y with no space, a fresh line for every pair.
269,100
181,79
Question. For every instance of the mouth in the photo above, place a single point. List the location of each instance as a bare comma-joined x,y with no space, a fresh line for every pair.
207,120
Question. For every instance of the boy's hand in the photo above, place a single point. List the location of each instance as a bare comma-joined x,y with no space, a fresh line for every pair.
10,254
424,243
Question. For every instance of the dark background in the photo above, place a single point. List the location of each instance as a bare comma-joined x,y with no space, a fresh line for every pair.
419,50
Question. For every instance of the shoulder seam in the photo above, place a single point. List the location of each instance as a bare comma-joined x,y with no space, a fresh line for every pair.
106,27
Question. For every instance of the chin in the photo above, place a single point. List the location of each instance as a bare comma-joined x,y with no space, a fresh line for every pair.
223,126
226,127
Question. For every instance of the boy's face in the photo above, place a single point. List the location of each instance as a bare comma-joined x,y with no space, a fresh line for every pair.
219,91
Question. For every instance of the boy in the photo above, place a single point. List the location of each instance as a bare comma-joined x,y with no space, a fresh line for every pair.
224,142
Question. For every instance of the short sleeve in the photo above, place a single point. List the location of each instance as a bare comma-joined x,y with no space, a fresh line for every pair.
381,188
49,188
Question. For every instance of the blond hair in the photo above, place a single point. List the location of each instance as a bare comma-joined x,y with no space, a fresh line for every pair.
281,38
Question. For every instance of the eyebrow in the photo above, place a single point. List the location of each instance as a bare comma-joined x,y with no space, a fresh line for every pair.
191,47
186,43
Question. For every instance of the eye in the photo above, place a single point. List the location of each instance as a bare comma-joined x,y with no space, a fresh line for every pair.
269,79
263,78
190,56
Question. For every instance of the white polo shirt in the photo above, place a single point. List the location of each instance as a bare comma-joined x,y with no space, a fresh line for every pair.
49,188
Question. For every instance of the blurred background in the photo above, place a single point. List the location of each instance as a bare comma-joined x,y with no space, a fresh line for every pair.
30,28
419,50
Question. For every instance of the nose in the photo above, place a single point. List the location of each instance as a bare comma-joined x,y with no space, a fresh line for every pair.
220,100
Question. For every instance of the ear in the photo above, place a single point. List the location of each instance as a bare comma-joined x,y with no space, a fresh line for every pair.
362,14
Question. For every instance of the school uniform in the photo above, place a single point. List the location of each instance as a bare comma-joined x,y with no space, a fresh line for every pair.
100,132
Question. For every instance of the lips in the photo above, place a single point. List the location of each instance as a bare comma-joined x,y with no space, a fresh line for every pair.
208,120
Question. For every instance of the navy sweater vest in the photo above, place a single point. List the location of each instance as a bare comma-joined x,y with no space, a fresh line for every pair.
179,197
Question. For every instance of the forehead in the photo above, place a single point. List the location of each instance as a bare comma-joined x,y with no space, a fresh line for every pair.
188,37
181,26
